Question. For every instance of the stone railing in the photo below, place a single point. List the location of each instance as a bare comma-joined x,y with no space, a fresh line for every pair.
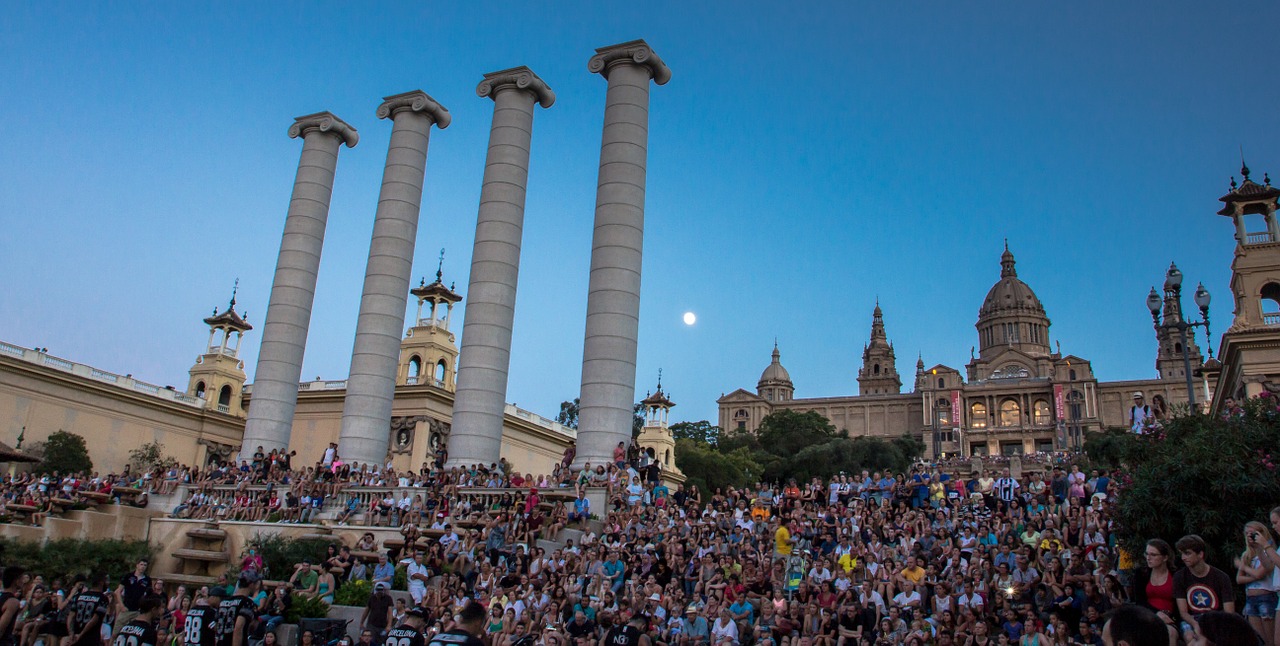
480,497
1259,238
38,357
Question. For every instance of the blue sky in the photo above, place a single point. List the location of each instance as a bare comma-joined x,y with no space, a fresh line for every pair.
804,159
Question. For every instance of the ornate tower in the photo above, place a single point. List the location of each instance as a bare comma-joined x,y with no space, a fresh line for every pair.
429,353
879,372
1169,351
656,433
775,382
218,375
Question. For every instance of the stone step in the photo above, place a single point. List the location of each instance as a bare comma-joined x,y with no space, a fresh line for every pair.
570,533
207,533
317,536
187,579
201,555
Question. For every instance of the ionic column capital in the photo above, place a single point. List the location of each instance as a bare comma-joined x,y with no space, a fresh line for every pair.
636,52
521,78
324,122
417,101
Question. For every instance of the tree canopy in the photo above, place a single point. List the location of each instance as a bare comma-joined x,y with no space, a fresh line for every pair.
66,452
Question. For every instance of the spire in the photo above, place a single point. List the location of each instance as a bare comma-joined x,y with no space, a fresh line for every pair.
659,379
777,356
1244,168
920,363
1007,262
877,323
234,288
440,267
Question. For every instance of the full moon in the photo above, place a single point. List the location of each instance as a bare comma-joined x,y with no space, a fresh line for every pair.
689,318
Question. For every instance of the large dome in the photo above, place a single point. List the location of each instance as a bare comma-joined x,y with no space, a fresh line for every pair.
1010,294
775,372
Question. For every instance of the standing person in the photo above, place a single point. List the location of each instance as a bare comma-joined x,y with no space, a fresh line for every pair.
236,613
377,616
1199,587
1139,414
14,578
466,629
201,625
1006,488
1255,571
629,634
133,587
409,632
86,614
141,631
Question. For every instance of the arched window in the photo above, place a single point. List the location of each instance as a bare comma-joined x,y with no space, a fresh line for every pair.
441,368
1041,413
1010,413
1071,375
200,389
1177,348
943,412
978,415
875,369
224,396
1271,304
415,366
942,383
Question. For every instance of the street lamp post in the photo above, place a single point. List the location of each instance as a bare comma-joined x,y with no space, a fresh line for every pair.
1173,288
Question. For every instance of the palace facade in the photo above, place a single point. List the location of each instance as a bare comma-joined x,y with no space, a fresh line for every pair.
1018,394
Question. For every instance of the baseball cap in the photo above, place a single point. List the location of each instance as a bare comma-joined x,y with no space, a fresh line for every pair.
381,585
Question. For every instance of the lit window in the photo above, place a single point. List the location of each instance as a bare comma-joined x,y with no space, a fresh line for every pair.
978,416
1041,413
1010,413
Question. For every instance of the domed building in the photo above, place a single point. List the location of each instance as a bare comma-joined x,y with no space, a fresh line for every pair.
1018,394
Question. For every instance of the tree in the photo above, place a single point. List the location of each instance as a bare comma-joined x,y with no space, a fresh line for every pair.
700,431
637,420
569,413
710,469
1200,475
149,456
66,453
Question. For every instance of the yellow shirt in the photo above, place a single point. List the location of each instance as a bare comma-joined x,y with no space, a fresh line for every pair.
913,574
848,562
782,541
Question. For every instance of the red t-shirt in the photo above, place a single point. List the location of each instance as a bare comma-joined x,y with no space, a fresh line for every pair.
1161,596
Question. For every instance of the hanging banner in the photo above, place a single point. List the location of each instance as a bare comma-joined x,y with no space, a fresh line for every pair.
955,409
1059,408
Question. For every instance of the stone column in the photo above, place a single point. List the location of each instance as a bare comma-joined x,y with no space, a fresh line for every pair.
613,294
481,394
284,335
371,384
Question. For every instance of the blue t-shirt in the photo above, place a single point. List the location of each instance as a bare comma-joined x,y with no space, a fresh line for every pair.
740,606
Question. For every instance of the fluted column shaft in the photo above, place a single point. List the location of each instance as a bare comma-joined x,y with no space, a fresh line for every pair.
284,334
613,295
366,410
476,436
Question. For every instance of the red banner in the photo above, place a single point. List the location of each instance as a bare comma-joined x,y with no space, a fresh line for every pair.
1058,403
955,408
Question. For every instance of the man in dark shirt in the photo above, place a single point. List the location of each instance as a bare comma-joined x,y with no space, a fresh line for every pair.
409,632
1200,587
201,625
236,613
133,587
378,611
470,623
86,613
142,630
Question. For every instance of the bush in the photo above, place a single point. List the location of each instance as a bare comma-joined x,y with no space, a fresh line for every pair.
306,608
65,453
279,554
353,593
149,456
67,557
1201,475
401,579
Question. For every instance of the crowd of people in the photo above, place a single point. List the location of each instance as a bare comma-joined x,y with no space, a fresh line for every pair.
931,556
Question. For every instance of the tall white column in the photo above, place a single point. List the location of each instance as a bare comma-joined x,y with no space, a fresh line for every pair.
371,384
284,335
613,294
481,394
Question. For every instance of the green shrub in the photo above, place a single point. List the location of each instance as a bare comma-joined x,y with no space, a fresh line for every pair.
66,557
1201,475
306,608
353,593
280,554
65,453
401,579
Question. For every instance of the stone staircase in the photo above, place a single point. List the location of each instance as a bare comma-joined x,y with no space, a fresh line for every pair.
204,557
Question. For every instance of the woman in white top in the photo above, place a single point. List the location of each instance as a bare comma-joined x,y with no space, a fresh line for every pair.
724,630
1260,579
